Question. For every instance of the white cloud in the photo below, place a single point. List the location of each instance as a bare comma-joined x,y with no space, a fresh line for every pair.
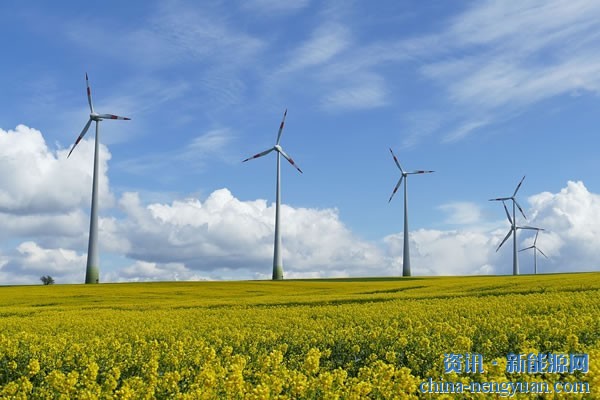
203,33
52,227
545,22
224,232
211,145
435,252
362,96
326,42
142,271
343,71
42,181
418,126
228,234
173,32
541,49
572,220
462,213
223,237
465,129
30,261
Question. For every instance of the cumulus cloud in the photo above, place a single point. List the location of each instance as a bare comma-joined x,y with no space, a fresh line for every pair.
43,181
572,220
44,214
456,252
224,232
571,238
142,271
30,261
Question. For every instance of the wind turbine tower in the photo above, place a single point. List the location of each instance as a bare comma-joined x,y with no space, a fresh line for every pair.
92,271
406,251
535,250
277,259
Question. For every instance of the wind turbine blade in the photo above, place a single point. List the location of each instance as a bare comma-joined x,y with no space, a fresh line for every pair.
536,236
505,239
507,213
419,172
527,248
111,116
519,207
538,249
291,161
533,228
81,135
500,199
396,161
264,153
396,188
89,93
281,126
518,186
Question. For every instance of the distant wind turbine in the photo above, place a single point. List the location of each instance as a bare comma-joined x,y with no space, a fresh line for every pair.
406,253
535,250
92,268
277,261
513,224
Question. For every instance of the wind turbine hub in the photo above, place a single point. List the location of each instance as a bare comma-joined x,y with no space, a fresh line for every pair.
277,147
95,117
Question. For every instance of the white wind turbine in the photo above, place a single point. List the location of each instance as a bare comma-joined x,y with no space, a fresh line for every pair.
277,261
406,253
535,250
513,231
92,268
513,223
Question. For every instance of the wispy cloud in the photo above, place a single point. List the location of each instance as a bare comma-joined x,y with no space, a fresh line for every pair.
462,213
274,7
204,33
464,130
542,49
179,42
173,33
141,99
419,125
212,145
325,43
362,96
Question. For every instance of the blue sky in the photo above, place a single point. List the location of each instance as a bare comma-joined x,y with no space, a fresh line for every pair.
481,92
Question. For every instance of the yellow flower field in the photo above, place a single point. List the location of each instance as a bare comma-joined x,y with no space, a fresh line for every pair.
313,339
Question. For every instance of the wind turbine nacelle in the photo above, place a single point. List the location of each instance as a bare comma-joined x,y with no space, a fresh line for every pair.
277,147
95,117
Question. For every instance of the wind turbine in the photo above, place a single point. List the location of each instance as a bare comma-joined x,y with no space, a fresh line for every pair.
535,250
277,262
513,224
92,267
406,253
